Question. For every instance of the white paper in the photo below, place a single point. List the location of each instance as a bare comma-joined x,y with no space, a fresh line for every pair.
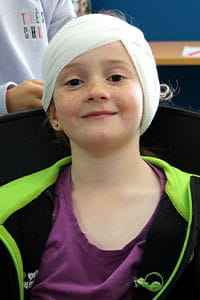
191,51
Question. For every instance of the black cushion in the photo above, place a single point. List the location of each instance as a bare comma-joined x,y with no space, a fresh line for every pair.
174,135
26,145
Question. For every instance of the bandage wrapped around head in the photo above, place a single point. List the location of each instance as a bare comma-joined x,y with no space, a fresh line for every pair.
91,31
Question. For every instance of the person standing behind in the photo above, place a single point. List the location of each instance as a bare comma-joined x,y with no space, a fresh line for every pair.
26,27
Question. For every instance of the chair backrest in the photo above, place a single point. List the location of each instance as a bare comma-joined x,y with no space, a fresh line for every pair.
174,135
26,147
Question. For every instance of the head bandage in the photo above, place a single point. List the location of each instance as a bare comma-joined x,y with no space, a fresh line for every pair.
91,31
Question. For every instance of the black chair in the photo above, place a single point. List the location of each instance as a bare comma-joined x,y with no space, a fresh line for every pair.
27,145
174,136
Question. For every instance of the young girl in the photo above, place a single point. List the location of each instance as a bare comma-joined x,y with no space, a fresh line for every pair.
104,223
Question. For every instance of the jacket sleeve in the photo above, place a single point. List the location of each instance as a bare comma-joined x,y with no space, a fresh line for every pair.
62,13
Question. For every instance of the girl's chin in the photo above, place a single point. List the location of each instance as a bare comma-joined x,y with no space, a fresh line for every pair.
101,143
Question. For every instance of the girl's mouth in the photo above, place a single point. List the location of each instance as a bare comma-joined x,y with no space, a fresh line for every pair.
99,114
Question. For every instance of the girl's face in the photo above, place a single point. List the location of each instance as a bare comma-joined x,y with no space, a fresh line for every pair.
98,99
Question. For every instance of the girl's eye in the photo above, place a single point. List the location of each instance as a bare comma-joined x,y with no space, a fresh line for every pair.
116,78
74,82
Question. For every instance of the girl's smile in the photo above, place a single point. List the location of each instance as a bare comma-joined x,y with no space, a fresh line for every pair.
99,114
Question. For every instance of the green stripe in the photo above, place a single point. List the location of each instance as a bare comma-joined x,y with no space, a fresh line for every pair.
177,186
16,194
11,246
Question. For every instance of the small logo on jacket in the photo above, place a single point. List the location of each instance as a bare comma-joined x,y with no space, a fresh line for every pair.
29,279
33,23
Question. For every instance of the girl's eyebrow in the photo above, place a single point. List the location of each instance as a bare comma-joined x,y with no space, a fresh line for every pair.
117,61
107,62
121,63
71,66
104,61
68,69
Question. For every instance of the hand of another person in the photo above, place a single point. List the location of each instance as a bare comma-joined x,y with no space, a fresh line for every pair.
25,96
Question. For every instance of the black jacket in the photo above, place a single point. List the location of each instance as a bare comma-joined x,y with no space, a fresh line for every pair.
171,254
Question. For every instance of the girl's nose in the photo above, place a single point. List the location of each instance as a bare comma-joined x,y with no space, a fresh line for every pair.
98,91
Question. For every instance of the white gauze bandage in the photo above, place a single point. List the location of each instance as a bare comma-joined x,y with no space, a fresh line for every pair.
91,31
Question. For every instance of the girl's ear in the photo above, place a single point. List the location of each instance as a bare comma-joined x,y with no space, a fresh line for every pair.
53,118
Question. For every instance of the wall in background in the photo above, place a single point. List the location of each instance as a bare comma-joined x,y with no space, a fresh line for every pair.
159,20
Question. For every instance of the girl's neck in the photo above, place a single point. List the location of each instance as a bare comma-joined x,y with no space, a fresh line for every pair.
114,193
108,170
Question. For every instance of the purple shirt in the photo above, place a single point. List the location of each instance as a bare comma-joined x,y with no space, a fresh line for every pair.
73,268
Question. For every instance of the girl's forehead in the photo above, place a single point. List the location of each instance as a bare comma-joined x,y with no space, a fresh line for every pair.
114,52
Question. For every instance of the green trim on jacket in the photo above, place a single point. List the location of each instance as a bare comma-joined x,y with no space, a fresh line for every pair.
13,249
177,186
18,193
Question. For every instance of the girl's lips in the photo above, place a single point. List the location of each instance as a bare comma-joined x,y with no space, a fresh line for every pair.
99,114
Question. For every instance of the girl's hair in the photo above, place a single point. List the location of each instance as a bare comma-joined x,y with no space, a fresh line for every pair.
115,13
57,141
166,93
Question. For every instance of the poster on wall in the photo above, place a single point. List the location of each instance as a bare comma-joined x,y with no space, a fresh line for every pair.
82,7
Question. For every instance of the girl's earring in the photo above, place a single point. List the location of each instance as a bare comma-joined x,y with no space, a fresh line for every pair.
56,126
